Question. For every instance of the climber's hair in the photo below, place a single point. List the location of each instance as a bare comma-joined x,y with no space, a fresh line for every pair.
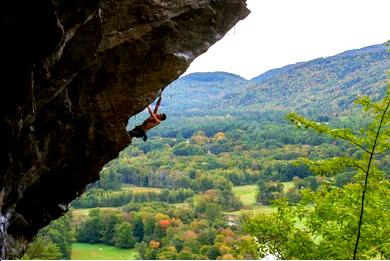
163,117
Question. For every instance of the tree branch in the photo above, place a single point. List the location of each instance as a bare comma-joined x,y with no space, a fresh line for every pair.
366,180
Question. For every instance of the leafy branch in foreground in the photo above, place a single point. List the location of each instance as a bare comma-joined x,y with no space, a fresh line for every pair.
374,141
337,222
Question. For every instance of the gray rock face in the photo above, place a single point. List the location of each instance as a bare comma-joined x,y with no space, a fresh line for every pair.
72,74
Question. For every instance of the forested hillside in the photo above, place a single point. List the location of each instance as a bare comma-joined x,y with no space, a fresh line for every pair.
321,86
227,151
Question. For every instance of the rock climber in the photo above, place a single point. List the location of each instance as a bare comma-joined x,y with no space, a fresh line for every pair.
151,122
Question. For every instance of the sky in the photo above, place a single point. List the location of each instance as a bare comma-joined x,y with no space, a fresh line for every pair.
282,32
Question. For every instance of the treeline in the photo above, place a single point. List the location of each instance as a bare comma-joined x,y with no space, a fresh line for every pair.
256,130
100,198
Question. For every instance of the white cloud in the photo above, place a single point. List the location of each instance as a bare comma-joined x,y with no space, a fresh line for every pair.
281,32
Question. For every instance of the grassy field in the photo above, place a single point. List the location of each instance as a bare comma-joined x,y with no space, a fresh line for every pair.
247,194
255,210
82,251
180,205
127,187
80,214
85,211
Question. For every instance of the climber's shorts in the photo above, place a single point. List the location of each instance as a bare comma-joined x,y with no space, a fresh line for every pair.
138,133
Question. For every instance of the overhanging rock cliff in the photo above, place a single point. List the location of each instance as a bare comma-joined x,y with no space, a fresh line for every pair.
73,73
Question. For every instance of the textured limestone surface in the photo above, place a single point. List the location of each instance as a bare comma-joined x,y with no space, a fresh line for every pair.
73,72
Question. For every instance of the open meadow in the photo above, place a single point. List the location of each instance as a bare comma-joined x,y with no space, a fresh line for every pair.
82,251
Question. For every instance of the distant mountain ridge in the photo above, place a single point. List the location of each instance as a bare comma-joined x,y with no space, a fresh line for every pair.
211,77
284,69
368,49
324,85
273,72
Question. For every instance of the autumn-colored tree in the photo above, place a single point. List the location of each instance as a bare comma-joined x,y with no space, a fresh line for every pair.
154,244
164,224
218,136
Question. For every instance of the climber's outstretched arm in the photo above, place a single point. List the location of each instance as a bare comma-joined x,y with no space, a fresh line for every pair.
157,105
152,114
